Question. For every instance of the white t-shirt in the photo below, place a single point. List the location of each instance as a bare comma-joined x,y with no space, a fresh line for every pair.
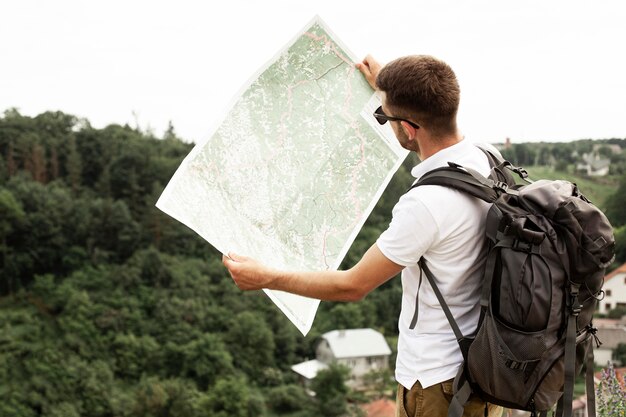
446,227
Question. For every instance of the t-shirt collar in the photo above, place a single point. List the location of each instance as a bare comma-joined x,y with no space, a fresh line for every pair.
441,158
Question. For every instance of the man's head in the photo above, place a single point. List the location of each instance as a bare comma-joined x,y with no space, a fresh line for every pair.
424,90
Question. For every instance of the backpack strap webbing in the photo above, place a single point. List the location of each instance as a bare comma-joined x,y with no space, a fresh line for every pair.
460,398
444,306
574,307
466,180
458,179
590,386
462,386
570,364
565,403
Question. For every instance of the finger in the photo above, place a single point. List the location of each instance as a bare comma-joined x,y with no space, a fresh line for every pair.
232,256
365,70
369,60
228,263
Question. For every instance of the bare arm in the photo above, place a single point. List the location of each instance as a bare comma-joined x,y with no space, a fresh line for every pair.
351,285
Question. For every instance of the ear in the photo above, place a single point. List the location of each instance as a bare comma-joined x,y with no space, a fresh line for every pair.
408,129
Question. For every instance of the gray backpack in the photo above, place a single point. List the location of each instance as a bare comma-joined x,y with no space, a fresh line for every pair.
548,250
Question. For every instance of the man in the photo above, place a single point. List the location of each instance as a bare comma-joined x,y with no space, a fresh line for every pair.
420,97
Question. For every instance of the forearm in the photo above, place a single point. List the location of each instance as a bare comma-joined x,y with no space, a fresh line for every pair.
323,285
351,285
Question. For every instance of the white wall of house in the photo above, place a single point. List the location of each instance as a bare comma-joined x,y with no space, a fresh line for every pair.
614,293
599,172
361,366
602,356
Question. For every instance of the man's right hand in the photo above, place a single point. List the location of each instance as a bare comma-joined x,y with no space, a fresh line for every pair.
370,68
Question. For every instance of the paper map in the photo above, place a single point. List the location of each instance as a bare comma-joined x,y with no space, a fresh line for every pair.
295,168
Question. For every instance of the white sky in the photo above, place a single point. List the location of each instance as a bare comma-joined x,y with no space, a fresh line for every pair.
530,70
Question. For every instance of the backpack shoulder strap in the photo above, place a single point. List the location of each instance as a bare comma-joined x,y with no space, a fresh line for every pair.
462,388
465,180
501,167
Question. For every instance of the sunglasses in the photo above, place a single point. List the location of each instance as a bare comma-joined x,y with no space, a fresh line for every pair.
382,118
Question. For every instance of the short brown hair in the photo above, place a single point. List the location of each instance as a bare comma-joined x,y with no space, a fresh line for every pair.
423,87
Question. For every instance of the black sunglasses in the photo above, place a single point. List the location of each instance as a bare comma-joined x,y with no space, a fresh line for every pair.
382,118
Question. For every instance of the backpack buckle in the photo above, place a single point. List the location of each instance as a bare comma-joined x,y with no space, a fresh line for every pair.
501,185
573,302
576,306
521,246
515,365
521,172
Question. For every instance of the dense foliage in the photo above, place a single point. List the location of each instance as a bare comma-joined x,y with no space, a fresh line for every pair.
110,308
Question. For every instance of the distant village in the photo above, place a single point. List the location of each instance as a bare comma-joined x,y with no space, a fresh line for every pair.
594,163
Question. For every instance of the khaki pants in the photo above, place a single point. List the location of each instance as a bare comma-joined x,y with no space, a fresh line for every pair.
434,401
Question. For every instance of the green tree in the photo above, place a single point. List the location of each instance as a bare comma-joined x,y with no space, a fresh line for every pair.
232,397
113,233
165,398
615,204
251,342
288,399
74,166
205,360
134,355
331,392
12,218
617,313
619,354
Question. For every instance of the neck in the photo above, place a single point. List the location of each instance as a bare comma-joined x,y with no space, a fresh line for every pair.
430,146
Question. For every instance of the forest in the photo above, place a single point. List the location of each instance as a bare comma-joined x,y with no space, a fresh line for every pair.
110,308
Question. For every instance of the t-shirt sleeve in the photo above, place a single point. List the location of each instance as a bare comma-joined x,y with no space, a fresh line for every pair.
411,232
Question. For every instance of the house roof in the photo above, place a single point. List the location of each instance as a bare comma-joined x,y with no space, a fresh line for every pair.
620,270
351,343
380,408
600,164
309,369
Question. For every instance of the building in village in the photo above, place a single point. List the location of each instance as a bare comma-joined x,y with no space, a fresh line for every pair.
611,333
593,165
614,291
360,350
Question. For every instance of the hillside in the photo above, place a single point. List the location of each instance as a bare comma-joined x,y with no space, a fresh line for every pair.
598,190
108,307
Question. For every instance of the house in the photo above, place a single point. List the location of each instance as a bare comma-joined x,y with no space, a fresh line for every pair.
360,350
611,332
593,166
614,290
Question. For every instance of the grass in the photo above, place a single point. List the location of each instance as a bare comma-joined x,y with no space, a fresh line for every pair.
595,189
